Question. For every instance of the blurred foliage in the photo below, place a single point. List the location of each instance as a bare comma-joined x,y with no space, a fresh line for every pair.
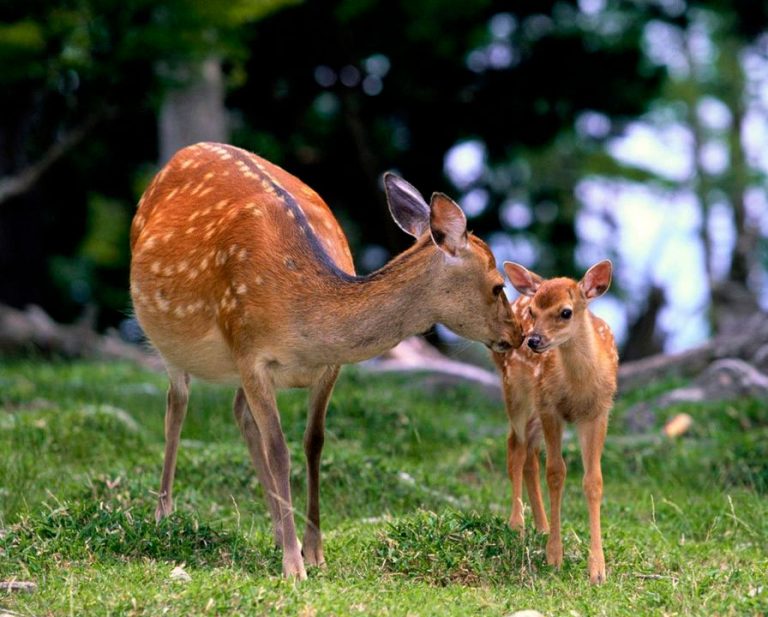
336,91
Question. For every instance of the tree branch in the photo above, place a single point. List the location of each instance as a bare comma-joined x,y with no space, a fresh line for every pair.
12,186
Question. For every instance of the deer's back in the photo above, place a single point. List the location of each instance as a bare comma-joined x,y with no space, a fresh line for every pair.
223,240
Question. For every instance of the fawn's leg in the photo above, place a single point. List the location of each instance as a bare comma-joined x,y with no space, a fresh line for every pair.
516,453
314,437
591,438
175,412
260,393
553,438
532,484
253,440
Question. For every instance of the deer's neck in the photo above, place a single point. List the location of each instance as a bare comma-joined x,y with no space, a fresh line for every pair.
578,355
356,318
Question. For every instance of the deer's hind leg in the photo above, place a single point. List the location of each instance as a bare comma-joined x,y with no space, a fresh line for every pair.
175,412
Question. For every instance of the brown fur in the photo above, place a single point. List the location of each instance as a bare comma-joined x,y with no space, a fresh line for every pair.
241,274
574,381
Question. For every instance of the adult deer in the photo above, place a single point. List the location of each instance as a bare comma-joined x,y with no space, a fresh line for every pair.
566,373
241,274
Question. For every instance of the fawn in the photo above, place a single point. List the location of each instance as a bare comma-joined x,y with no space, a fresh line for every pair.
241,274
565,373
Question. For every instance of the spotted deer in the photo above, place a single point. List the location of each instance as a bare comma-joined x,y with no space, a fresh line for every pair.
565,373
241,274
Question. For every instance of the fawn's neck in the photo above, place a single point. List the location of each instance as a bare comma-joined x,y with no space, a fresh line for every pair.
579,355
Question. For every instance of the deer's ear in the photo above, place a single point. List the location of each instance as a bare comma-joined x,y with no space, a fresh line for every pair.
406,205
522,279
447,224
597,280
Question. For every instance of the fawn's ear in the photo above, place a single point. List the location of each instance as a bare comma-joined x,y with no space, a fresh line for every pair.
597,280
447,224
406,205
522,279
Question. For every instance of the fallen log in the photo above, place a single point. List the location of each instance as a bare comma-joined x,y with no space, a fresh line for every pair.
746,346
34,331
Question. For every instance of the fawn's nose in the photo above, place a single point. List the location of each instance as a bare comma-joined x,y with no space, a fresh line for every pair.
534,341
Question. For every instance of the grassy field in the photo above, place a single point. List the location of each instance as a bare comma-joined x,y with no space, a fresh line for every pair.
414,501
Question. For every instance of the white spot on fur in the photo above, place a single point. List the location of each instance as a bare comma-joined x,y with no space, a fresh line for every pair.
161,302
241,289
155,267
186,163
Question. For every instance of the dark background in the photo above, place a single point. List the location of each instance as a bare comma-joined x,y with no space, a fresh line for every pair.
96,94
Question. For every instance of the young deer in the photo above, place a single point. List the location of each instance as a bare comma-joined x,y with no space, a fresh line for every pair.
566,373
241,274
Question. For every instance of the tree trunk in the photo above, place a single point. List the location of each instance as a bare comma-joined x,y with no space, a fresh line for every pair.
194,112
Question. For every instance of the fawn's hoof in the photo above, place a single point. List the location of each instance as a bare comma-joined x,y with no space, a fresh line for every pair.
555,554
517,523
596,570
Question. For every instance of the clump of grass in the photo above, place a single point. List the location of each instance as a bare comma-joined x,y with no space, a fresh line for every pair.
116,529
454,547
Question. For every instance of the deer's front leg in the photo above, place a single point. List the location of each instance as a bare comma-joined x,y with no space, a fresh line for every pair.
532,483
553,438
260,394
592,438
314,437
516,454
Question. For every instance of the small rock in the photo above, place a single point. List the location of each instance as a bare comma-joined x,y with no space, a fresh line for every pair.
678,425
526,613
179,574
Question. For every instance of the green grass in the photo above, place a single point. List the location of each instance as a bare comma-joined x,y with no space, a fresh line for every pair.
414,501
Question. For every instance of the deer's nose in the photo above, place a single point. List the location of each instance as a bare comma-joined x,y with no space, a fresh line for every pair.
534,341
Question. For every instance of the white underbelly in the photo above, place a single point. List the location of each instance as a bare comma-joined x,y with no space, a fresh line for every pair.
208,357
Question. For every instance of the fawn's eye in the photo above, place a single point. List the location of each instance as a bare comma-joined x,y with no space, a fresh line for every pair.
497,290
566,313
530,312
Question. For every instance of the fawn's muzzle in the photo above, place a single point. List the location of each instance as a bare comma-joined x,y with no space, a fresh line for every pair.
534,342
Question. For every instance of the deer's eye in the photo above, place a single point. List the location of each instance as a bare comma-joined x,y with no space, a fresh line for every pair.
566,313
530,312
497,290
